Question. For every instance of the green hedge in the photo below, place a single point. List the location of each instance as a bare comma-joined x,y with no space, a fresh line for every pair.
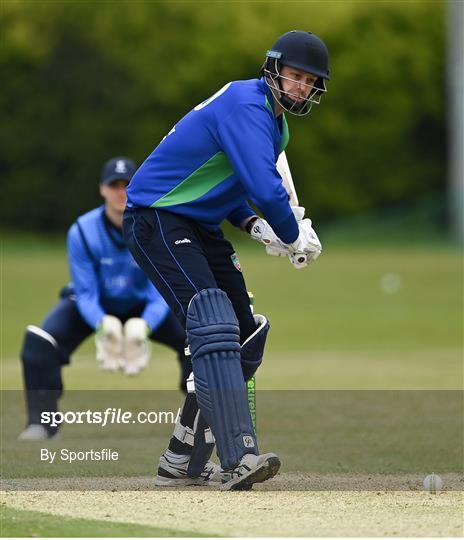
83,81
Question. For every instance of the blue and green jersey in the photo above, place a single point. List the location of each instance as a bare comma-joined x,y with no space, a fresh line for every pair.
222,154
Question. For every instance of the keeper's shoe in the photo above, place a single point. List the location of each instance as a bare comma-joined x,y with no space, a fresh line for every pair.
36,432
250,470
175,474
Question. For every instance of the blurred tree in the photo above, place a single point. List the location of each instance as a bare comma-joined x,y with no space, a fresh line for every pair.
381,136
83,81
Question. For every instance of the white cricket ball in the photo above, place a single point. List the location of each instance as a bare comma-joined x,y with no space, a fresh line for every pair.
433,483
390,283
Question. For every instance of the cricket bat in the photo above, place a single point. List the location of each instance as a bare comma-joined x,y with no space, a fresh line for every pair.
251,384
287,181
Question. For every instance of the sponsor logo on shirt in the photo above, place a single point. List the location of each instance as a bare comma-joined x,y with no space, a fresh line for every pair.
116,282
183,241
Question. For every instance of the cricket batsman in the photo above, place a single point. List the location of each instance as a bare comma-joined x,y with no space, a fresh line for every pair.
109,295
214,161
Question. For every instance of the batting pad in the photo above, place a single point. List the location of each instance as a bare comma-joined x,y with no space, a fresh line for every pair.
202,448
214,339
42,361
253,347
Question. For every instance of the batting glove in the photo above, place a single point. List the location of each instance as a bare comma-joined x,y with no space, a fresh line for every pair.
279,249
298,212
307,247
262,232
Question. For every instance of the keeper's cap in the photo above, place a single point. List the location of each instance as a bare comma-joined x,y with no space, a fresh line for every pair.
117,168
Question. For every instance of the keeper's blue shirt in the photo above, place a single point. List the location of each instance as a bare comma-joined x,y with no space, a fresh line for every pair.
105,277
222,154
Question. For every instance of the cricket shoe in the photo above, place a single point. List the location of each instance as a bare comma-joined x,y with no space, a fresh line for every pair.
250,470
175,474
36,432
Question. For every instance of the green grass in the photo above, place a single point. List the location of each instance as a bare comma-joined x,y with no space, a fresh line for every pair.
332,324
333,328
362,432
22,523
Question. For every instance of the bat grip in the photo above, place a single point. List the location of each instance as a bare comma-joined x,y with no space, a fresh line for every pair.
298,260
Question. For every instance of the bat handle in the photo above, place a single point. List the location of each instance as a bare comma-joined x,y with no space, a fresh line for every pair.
298,260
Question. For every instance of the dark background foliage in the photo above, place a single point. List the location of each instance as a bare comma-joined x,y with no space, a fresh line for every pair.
84,81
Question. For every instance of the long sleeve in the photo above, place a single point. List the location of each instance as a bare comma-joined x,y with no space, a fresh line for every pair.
239,214
247,139
85,279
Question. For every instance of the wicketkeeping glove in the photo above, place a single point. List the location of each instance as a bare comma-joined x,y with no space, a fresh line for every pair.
136,346
108,341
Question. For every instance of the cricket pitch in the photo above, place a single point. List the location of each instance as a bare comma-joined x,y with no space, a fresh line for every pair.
270,510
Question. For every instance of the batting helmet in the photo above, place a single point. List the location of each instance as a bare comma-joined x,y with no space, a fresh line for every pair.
300,50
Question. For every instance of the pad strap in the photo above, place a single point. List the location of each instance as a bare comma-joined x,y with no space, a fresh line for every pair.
184,434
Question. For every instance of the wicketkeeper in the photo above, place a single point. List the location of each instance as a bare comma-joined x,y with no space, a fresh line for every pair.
221,155
109,295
